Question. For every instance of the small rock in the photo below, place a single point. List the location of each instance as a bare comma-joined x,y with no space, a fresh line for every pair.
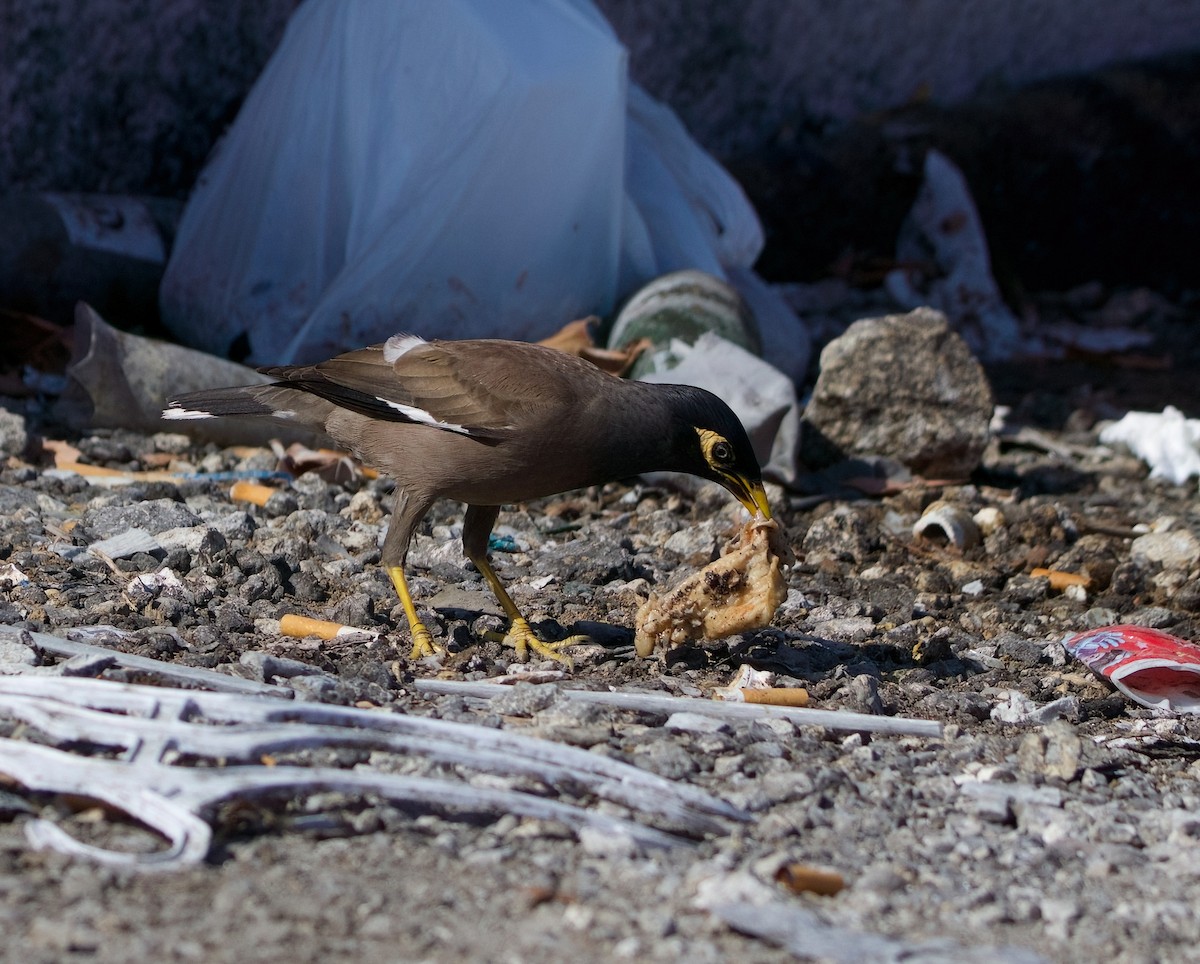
605,843
1153,617
696,545
316,689
1056,751
1059,913
526,699
154,516
842,534
281,503
1018,649
266,667
863,695
1174,549
14,653
696,723
881,879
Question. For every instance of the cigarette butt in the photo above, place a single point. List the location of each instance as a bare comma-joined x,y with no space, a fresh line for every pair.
1059,580
301,626
805,878
777,696
245,491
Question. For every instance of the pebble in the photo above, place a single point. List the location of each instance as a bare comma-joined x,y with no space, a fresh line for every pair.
1173,549
153,516
16,654
696,723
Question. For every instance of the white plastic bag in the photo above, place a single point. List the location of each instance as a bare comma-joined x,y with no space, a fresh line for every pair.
456,169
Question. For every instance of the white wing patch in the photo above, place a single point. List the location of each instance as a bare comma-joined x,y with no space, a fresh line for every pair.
181,413
422,416
178,414
397,345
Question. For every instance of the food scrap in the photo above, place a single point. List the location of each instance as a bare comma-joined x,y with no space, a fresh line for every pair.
738,592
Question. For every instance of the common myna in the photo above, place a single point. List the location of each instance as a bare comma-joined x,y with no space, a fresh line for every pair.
489,422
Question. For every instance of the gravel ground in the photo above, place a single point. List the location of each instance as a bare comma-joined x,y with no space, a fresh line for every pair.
1053,819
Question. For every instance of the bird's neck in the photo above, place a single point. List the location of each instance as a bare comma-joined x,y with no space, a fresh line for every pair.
642,433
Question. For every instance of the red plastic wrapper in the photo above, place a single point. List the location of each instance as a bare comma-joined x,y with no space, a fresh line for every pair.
1151,667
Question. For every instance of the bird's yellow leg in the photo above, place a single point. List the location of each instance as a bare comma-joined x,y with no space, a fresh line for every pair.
520,635
423,644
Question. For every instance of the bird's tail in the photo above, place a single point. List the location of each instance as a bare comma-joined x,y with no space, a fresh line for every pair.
275,401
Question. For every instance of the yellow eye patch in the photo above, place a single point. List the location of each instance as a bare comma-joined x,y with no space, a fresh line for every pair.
714,455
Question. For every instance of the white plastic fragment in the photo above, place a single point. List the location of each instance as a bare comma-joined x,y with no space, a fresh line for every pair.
1015,707
747,677
944,225
10,575
126,544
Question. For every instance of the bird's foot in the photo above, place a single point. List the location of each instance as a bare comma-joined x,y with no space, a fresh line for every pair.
423,644
520,636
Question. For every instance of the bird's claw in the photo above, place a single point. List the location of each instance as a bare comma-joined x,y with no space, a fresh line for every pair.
520,636
423,644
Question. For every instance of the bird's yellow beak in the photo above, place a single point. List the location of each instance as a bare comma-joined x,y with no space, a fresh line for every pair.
752,495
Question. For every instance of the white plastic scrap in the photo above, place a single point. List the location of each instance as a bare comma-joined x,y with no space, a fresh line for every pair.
127,543
559,188
12,576
747,677
1168,442
944,225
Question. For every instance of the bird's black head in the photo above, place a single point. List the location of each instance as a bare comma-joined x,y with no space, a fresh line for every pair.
708,440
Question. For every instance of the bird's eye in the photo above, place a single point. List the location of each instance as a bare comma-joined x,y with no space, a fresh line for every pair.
722,452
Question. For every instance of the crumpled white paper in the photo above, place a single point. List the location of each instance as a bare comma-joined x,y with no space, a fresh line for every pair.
1168,442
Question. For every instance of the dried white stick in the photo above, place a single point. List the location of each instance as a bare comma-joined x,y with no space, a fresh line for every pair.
653,703
147,741
144,664
169,805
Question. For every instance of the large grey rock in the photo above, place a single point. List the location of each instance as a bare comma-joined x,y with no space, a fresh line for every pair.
902,386
13,434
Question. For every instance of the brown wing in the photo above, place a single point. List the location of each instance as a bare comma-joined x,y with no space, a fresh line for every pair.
482,388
